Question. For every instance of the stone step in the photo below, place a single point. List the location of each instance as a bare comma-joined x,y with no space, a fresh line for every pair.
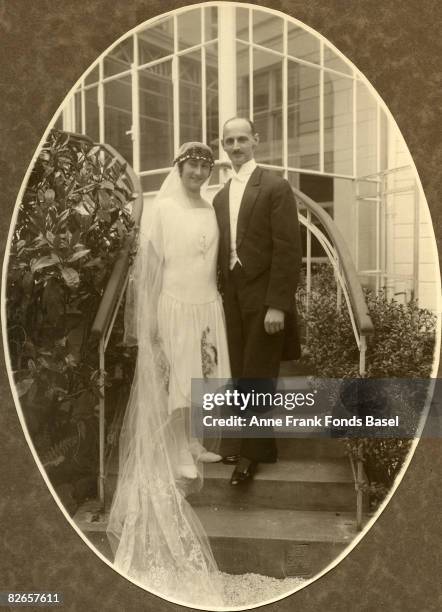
276,542
310,448
296,485
93,523
302,484
295,368
271,542
319,460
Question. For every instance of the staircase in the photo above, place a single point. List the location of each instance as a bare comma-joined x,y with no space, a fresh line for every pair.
293,519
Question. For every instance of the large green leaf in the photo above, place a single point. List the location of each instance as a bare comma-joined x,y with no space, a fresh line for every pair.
44,262
49,196
103,199
23,386
61,218
78,255
71,277
107,185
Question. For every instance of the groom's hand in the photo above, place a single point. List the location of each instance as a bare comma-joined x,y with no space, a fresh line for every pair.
274,320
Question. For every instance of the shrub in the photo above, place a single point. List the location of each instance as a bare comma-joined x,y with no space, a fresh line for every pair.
403,342
383,460
72,222
329,348
402,346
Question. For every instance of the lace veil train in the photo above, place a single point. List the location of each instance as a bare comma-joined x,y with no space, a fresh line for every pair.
156,536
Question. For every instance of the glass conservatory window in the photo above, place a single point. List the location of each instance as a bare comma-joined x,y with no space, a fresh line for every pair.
92,127
299,143
310,116
302,44
367,235
320,189
190,96
242,80
338,124
119,59
383,140
93,76
118,115
268,30
267,105
155,41
210,23
78,113
242,24
319,123
152,182
212,92
303,116
333,61
189,28
366,108
156,116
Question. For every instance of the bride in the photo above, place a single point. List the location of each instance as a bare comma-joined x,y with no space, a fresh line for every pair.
174,313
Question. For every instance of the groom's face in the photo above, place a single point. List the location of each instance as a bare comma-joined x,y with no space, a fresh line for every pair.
239,142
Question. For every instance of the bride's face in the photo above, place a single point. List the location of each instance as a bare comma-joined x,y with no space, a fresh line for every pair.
193,174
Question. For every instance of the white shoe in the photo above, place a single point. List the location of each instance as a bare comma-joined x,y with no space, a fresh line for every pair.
187,470
186,467
208,457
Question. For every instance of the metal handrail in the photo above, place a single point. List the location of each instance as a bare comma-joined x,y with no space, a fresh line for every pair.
110,302
356,295
118,278
113,294
346,274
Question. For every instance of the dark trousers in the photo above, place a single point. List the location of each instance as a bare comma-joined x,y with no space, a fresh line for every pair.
254,355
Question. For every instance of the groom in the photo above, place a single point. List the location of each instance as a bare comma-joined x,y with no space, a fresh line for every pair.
259,263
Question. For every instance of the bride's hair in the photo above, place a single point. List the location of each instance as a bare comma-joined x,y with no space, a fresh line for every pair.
194,150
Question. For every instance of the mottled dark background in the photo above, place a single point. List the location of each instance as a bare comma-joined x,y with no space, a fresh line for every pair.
44,48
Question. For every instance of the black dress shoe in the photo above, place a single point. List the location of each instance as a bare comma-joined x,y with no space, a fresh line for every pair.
231,459
243,472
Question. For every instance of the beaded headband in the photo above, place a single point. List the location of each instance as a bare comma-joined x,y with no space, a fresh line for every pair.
196,153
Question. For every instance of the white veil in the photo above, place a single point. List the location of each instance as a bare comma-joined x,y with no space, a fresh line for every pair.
154,532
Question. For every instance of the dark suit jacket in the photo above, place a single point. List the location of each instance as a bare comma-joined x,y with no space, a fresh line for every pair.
268,246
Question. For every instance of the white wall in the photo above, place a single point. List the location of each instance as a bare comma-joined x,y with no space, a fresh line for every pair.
409,230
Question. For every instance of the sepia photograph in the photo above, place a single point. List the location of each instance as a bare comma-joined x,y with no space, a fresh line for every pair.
222,195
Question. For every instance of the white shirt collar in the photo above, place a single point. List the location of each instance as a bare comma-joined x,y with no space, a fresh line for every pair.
245,171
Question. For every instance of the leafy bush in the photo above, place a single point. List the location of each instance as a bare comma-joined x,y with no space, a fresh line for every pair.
402,346
329,348
383,460
403,342
72,222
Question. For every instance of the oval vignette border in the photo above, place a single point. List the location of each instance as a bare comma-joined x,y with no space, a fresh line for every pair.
48,47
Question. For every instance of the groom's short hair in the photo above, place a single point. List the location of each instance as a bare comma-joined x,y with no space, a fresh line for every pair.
246,119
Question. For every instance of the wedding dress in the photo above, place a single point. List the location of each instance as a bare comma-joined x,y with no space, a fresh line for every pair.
190,312
175,315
